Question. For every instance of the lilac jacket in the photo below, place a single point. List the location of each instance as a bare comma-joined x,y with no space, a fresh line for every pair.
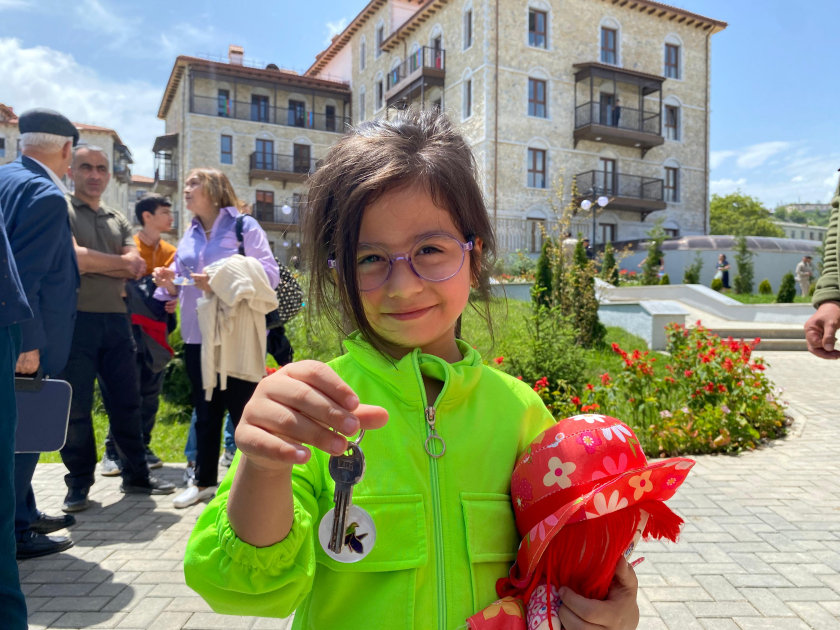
195,252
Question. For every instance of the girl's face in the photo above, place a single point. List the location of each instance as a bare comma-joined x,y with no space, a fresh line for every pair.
407,311
195,199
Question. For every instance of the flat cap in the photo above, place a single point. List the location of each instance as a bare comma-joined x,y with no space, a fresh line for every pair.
47,121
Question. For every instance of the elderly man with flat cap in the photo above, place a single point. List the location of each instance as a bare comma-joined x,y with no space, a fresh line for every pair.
38,228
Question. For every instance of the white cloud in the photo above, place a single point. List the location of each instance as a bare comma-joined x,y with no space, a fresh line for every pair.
798,178
755,155
43,77
717,158
95,16
726,186
334,28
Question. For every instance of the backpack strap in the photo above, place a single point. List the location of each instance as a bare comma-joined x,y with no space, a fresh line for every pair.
240,221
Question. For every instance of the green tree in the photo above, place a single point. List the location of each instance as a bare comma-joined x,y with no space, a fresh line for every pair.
743,282
780,213
764,287
609,268
665,279
653,261
741,215
541,291
691,275
787,290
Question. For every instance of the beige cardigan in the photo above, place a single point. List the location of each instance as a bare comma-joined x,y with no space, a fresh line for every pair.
232,322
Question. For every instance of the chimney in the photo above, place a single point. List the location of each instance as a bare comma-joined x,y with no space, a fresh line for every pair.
235,55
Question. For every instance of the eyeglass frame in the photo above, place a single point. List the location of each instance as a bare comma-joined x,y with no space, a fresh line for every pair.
467,246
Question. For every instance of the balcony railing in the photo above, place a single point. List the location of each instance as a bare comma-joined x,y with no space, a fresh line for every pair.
527,235
166,168
267,213
282,163
619,117
622,185
425,57
265,113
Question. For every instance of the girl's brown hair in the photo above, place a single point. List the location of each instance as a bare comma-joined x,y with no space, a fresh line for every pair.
413,148
216,186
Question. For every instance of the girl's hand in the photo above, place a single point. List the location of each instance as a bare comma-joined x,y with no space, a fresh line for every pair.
821,330
297,405
202,281
619,612
163,276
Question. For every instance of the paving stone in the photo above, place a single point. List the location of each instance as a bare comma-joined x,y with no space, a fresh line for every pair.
815,615
677,616
718,624
766,602
286,624
722,609
213,621
806,594
143,616
170,621
88,620
719,588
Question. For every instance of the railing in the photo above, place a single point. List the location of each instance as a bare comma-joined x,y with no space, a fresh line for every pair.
527,235
263,112
620,117
424,57
274,214
282,163
622,185
166,168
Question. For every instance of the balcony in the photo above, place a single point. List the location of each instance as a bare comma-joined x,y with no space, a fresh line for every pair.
281,168
618,106
632,193
409,81
166,166
272,217
527,235
122,159
262,112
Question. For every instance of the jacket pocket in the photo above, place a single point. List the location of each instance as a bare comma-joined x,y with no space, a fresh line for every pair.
341,594
492,541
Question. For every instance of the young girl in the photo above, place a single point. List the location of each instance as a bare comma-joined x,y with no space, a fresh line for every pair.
398,235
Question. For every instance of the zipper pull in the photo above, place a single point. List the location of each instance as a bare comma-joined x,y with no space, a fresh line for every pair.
433,435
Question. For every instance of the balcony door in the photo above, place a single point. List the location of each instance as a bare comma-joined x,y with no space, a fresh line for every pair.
264,156
607,176
330,117
607,232
302,158
259,108
607,116
264,208
437,46
297,113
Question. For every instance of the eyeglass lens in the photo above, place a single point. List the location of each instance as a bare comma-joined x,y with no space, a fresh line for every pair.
434,258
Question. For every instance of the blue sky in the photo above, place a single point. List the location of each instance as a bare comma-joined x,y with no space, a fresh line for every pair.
775,93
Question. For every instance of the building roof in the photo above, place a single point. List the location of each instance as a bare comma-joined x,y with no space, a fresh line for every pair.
182,62
142,179
754,243
426,10
672,14
7,115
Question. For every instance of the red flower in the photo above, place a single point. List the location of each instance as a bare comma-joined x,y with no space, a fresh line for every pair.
499,360
722,389
688,373
592,407
575,400
709,387
519,377
270,370
728,365
706,358
758,367
590,386
669,379
605,378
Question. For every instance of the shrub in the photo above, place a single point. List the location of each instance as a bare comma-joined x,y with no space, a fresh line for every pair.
541,291
653,261
743,282
764,287
691,275
812,289
717,284
609,268
665,279
516,265
787,290
177,388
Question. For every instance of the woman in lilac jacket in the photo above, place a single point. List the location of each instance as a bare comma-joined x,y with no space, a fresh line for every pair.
210,237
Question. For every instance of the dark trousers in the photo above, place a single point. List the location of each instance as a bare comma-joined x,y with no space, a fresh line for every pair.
150,385
103,345
12,603
26,511
210,414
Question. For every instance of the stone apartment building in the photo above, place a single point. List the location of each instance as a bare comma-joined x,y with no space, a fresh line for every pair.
117,193
614,93
264,127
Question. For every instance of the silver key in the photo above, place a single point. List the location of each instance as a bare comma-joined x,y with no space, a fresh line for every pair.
346,470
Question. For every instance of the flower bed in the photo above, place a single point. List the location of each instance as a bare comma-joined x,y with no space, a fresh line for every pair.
715,397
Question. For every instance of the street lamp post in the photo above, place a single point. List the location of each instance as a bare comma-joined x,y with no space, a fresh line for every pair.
593,195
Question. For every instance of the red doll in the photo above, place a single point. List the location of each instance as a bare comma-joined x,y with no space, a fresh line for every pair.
583,494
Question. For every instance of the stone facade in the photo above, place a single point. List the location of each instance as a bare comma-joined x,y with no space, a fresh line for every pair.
573,36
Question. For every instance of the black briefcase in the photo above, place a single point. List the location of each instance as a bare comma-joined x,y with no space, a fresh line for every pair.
43,407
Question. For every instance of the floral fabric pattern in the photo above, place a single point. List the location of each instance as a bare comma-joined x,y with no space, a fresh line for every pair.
558,473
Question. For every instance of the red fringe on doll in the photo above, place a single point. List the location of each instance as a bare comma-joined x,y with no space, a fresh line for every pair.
583,555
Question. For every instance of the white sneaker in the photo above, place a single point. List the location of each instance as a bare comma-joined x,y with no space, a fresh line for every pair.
189,473
193,495
109,468
226,459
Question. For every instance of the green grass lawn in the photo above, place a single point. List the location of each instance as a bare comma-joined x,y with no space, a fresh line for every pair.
755,298
316,341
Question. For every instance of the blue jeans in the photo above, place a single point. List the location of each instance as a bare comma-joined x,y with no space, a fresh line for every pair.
12,603
191,449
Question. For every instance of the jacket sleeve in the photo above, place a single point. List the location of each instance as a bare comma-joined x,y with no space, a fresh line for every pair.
236,578
38,235
828,285
257,246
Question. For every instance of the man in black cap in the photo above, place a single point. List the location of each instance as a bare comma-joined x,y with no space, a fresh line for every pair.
36,221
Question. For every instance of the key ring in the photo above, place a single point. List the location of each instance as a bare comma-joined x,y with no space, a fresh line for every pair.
359,439
442,443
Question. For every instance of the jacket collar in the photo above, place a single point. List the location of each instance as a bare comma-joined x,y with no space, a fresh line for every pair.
404,377
42,169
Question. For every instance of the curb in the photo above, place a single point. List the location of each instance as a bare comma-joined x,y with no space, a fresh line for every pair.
799,421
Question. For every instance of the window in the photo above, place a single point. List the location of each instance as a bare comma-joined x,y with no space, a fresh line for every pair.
302,158
467,98
672,184
329,117
2,147
606,180
259,108
227,150
536,98
536,230
380,37
468,29
362,112
17,154
537,21
264,156
810,236
297,113
363,55
607,232
264,207
224,103
672,122
380,95
672,233
672,61
536,168
437,46
609,46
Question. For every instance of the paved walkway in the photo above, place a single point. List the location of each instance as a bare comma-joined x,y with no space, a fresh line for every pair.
761,548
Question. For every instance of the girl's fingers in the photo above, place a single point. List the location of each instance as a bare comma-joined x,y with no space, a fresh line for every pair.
584,610
259,445
571,621
371,416
291,425
309,401
323,378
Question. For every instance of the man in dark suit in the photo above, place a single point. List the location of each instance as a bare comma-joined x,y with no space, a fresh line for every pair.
38,228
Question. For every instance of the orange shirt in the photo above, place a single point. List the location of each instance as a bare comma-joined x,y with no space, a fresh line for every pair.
160,256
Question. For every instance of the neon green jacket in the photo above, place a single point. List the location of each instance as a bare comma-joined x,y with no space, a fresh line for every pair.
445,527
